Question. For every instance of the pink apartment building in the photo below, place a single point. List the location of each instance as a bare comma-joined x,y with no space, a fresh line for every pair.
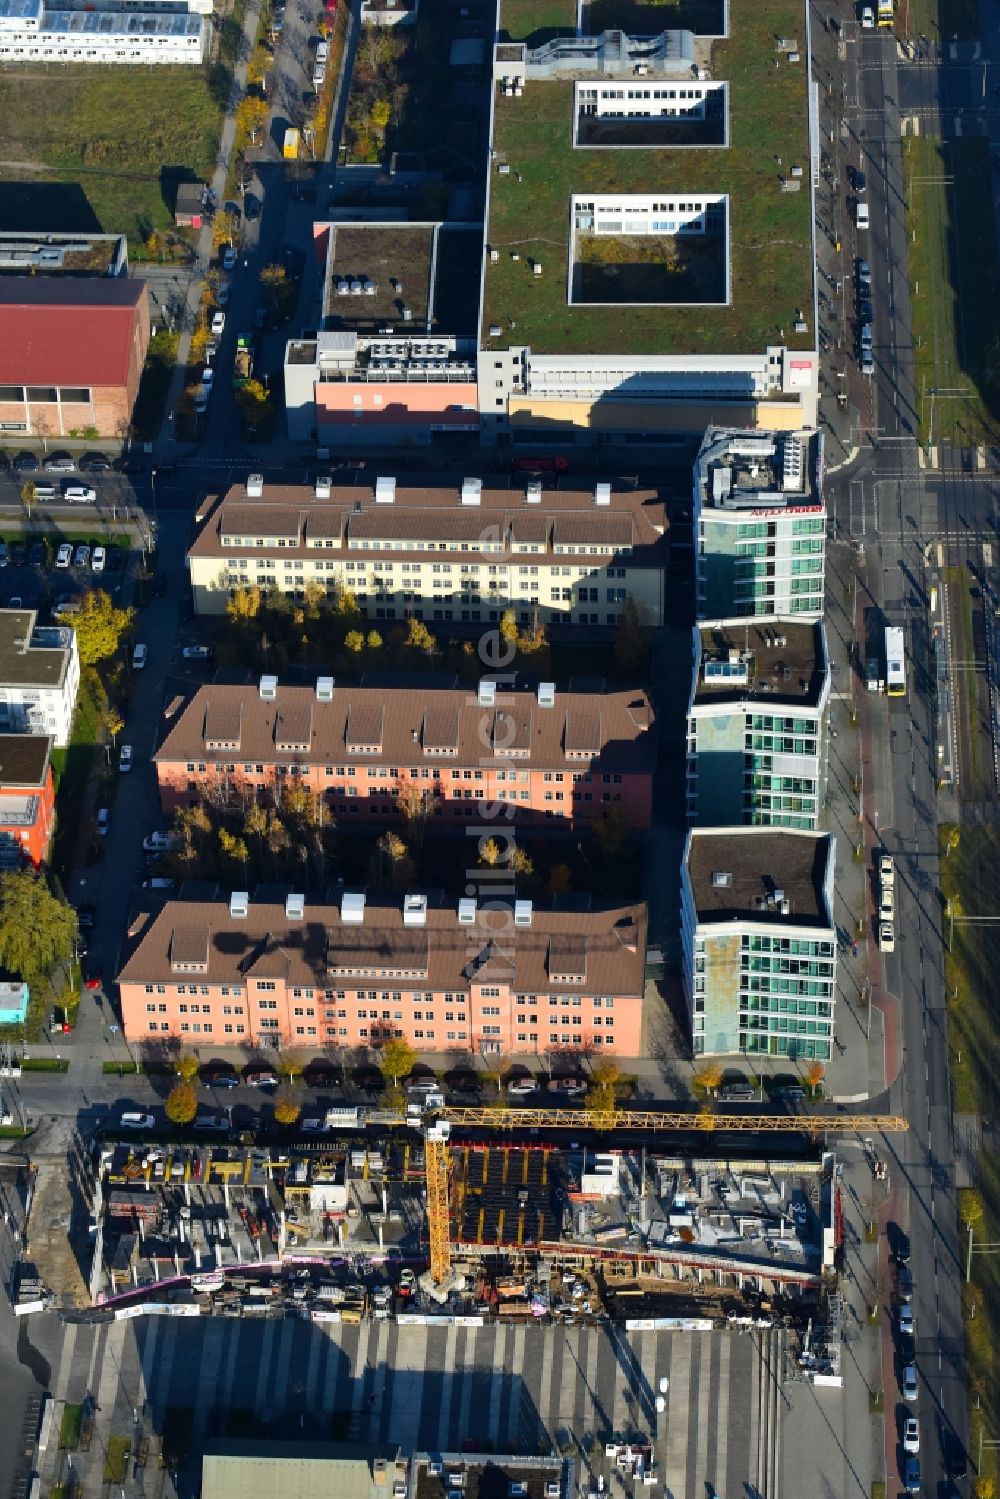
533,758
495,977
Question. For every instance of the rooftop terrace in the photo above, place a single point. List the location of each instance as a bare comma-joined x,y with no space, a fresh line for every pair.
742,661
769,230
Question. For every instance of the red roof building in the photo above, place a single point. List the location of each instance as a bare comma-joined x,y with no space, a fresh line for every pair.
71,353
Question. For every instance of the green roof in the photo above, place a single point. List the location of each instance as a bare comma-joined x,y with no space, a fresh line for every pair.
770,240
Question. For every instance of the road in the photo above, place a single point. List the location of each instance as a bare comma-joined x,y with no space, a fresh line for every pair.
890,512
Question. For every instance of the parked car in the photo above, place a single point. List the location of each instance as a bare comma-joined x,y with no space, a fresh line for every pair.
569,1087
98,560
886,869
886,904
24,463
160,883
93,979
323,51
103,820
207,378
886,937
36,554
260,1077
64,556
215,1123
218,321
86,917
904,1283
159,843
321,1075
134,1120
59,463
911,1475
313,1125
225,288
521,1087
81,557
4,559
899,1243
229,258
910,1382
138,657
790,1093
94,463
129,466
125,759
906,1318
197,653
911,1435
220,1079
953,1454
867,18
867,362
79,494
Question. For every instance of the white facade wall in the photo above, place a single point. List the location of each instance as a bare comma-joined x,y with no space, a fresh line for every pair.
27,708
32,32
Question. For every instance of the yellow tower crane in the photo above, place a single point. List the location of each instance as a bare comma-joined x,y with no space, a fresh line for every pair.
437,1134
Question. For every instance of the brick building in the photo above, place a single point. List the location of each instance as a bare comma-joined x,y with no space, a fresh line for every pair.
501,977
451,555
547,756
27,798
71,354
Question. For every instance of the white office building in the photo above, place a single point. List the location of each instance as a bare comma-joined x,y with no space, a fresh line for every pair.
159,32
759,946
39,676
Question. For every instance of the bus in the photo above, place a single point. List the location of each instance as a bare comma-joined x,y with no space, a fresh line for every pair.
885,13
895,662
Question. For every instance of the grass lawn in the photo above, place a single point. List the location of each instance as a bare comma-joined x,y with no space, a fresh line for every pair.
769,230
115,148
154,386
944,19
72,765
116,1459
952,261
536,21
69,1430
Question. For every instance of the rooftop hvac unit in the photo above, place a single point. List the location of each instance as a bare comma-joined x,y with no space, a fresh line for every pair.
536,267
385,491
268,689
779,896
546,694
352,908
255,486
414,910
407,314
324,689
786,907
494,255
721,879
295,907
435,1468
495,330
239,905
522,913
472,491
467,911
552,1489
533,493
324,484
602,494
487,693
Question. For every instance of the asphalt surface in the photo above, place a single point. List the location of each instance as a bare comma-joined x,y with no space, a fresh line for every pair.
890,510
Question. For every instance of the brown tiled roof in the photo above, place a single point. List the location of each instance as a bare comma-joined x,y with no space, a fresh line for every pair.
633,518
616,723
267,943
189,940
293,725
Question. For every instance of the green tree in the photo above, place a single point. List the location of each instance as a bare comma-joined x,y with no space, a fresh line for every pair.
290,1065
489,853
631,643
398,1057
187,1066
251,116
113,723
99,627
508,626
380,113
394,861
286,1107
37,929
234,848
952,839
244,604
560,880
254,402
354,641
520,861
612,835
815,1074
29,494
373,640
255,821
224,227
182,1103
708,1076
273,276
347,603
419,638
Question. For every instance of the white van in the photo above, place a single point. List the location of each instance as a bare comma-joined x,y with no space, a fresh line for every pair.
861,215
